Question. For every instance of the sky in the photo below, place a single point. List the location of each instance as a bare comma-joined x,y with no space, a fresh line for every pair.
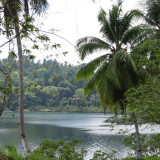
76,19
73,19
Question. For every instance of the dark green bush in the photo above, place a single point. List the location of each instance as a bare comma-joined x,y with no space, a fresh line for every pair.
99,155
152,158
130,158
150,144
58,150
61,150
9,152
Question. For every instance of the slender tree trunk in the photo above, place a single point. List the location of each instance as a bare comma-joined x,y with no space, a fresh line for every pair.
21,93
122,107
139,154
116,116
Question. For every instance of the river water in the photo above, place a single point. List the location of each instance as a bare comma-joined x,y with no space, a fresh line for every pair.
90,128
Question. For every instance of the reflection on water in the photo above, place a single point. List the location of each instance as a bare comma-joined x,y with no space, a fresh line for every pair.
66,126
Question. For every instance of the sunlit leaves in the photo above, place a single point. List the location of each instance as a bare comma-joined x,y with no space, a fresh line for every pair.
86,71
89,45
144,101
56,46
31,57
35,46
26,51
27,24
43,38
12,54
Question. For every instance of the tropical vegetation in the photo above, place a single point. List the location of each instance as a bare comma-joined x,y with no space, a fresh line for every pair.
48,86
61,150
116,72
113,73
126,77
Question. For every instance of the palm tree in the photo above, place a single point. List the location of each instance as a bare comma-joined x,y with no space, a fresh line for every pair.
145,48
113,73
11,15
152,18
152,8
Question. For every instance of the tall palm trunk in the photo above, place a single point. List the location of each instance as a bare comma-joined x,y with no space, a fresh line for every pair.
21,92
139,154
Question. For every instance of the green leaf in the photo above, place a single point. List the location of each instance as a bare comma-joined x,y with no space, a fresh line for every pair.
35,46
12,54
31,57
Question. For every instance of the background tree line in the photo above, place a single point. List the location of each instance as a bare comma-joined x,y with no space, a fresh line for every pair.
50,86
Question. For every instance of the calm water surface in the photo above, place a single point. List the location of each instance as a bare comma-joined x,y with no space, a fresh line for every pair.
66,126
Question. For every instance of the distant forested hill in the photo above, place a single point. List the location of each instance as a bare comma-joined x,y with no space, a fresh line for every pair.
50,86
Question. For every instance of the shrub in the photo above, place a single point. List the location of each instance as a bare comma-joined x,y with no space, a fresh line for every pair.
99,155
58,150
9,152
150,144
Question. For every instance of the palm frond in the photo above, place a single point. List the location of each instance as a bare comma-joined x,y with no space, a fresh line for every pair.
152,7
131,35
150,21
153,11
95,79
106,92
143,74
89,69
106,29
112,72
122,70
39,6
123,56
114,19
145,34
127,19
88,45
113,79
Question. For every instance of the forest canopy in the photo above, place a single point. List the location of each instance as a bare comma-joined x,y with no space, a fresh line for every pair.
50,86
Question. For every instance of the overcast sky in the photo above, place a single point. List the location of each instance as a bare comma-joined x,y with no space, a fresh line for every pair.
75,19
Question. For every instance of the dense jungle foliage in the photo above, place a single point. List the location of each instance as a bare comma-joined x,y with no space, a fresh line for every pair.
50,86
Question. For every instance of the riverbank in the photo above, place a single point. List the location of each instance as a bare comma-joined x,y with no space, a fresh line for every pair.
70,109
66,109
